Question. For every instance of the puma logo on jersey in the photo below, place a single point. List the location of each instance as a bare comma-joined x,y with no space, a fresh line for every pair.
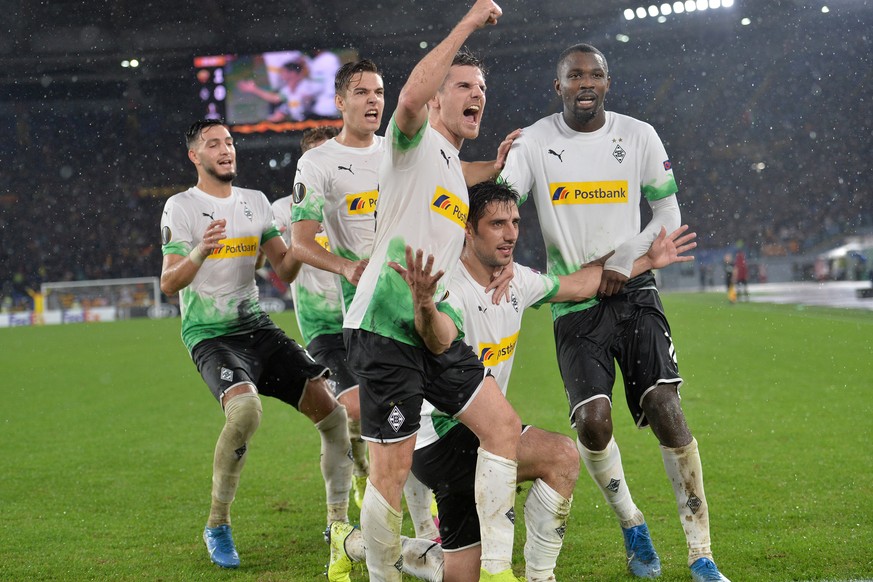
209,215
558,155
349,169
445,157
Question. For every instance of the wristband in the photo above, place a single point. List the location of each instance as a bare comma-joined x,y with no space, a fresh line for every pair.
196,256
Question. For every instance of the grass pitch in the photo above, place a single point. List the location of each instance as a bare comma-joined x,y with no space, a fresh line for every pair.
107,431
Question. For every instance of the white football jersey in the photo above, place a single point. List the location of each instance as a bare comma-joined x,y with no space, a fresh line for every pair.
338,186
587,187
423,203
316,296
223,297
491,330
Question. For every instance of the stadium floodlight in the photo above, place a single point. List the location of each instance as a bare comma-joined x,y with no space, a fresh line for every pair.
702,4
622,38
629,14
715,3
653,11
746,21
641,12
666,9
690,5
678,7
825,9
727,3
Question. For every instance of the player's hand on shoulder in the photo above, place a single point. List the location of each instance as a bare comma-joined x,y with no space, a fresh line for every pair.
503,150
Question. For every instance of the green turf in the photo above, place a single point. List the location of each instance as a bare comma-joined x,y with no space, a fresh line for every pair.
107,433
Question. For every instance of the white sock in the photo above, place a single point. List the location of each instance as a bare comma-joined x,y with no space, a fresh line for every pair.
495,504
423,559
545,515
243,416
607,472
359,449
380,526
686,476
354,546
418,499
336,464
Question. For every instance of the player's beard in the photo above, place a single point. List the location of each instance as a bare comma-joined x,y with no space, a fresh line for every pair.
226,177
584,116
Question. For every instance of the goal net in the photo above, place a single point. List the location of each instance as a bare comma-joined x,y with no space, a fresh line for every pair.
110,298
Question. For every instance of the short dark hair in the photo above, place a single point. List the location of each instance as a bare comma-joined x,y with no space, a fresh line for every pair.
347,72
582,47
483,194
193,133
315,134
295,66
466,58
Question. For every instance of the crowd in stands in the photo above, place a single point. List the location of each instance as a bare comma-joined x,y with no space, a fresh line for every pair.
771,148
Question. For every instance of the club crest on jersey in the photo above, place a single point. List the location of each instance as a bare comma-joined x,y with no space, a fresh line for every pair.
668,165
362,202
166,235
226,375
609,192
299,192
450,206
618,153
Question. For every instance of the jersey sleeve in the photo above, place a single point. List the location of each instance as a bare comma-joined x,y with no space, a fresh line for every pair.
534,287
517,172
310,185
176,235
282,215
268,223
404,151
656,174
453,306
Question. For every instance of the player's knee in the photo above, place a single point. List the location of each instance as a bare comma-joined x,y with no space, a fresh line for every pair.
243,413
566,457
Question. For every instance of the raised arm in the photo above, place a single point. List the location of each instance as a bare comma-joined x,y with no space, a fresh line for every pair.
436,329
431,71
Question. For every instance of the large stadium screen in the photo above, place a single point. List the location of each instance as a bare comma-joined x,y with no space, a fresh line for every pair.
271,92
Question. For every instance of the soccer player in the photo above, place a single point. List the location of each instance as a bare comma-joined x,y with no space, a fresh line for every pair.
211,236
586,169
423,203
443,458
336,188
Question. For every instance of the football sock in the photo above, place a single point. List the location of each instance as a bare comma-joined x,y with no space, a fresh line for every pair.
545,515
422,558
607,472
336,466
495,502
686,476
242,418
380,526
418,499
354,546
359,449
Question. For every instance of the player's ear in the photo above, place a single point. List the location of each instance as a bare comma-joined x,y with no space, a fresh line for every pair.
192,155
339,101
557,86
